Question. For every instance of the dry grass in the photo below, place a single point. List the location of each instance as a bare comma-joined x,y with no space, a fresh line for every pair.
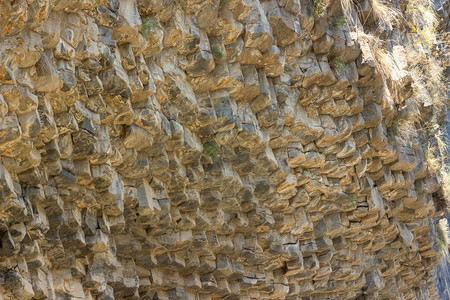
387,15
423,21
427,37
442,236
387,65
421,94
421,13
433,160
442,146
428,81
385,62
446,185
436,152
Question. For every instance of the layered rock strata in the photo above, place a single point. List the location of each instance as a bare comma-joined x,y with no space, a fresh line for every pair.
205,149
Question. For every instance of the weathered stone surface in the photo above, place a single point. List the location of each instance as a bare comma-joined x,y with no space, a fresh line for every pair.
205,149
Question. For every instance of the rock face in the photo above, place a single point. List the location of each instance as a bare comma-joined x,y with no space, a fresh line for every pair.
204,149
442,274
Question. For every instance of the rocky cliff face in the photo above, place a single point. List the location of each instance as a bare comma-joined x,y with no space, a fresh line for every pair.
204,149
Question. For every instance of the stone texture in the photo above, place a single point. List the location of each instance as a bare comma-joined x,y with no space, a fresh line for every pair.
202,149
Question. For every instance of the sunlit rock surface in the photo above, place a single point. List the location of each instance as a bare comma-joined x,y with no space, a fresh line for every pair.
204,149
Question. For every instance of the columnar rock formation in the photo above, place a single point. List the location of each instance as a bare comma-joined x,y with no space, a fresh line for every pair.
205,149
